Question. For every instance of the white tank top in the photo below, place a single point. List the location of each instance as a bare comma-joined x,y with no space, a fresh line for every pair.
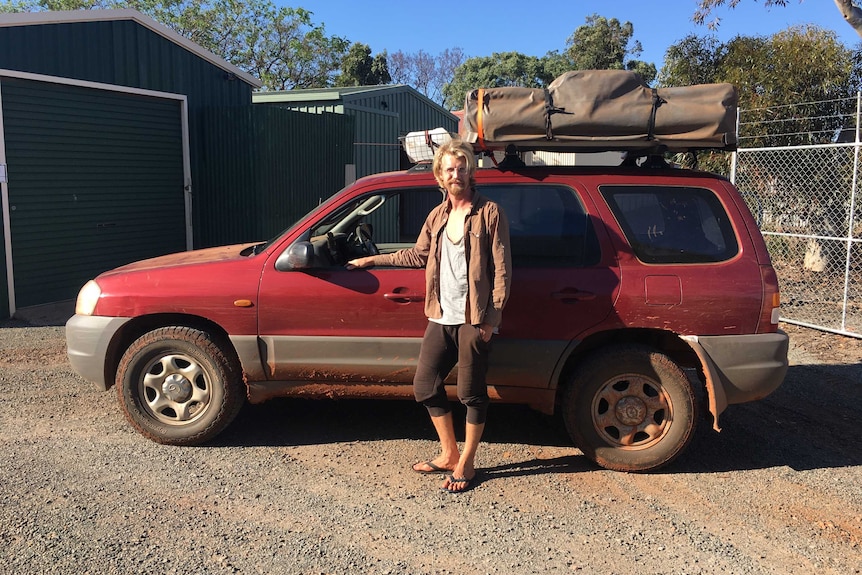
453,282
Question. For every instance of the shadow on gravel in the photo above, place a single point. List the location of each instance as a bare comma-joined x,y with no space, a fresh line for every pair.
564,464
810,422
52,314
308,422
284,422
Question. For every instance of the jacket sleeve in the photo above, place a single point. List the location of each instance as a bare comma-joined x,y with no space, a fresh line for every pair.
415,257
501,263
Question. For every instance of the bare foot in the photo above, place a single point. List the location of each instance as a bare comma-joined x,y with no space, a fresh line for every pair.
432,466
457,484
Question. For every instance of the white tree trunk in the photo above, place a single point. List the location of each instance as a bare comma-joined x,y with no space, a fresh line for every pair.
851,13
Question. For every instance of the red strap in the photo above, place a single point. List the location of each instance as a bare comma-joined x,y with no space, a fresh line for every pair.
479,119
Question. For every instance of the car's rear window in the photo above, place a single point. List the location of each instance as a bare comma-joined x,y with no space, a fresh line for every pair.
666,224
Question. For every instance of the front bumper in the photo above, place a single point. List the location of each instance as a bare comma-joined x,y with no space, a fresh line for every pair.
87,341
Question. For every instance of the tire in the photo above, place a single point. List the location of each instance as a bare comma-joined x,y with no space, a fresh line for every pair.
630,408
178,387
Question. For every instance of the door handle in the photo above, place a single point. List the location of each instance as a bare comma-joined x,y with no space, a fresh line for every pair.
404,297
572,295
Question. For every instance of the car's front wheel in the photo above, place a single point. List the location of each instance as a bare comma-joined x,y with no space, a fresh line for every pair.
177,386
630,408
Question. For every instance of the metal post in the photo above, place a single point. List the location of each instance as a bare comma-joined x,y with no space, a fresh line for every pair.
851,219
733,154
7,220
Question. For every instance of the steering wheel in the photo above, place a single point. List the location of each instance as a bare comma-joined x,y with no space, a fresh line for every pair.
363,239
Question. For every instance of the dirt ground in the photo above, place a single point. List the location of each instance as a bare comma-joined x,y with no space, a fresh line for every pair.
324,487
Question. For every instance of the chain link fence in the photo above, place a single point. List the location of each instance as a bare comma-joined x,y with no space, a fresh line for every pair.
806,200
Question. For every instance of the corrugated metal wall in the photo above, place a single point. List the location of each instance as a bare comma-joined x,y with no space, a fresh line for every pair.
121,52
378,144
264,168
376,148
95,181
125,53
415,112
383,114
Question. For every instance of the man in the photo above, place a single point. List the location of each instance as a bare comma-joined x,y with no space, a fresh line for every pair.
464,248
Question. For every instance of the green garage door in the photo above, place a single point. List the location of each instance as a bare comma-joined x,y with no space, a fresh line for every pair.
95,181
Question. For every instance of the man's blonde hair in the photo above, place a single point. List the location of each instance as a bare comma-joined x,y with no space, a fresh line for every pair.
459,149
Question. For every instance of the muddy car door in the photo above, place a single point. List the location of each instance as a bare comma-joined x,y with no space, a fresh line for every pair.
321,321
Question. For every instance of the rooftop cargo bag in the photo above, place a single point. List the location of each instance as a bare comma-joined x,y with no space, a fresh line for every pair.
601,110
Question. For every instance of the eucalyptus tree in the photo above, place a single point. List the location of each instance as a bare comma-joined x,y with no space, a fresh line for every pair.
848,9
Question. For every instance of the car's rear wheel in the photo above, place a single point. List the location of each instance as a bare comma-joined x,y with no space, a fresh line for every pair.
177,386
630,408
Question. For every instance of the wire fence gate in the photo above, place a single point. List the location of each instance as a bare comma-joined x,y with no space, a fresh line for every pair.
800,179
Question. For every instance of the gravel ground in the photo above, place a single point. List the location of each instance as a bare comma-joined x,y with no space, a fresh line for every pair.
325,488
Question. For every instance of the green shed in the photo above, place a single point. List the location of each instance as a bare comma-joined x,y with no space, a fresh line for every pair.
382,115
100,145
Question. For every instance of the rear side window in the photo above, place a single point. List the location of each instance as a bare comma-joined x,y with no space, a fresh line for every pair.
665,224
548,225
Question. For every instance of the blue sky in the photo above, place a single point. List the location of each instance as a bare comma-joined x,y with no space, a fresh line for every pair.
534,28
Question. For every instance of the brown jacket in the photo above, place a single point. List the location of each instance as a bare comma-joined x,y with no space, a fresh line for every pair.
489,260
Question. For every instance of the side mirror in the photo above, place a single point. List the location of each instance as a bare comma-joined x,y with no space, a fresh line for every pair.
299,256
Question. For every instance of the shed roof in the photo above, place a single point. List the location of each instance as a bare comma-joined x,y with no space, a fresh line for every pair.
72,16
342,93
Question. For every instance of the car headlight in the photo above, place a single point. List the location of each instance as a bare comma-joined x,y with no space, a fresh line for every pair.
88,297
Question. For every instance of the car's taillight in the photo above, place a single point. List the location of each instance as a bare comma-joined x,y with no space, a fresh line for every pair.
771,303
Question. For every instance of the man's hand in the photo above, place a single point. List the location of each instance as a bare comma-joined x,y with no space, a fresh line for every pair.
485,332
365,262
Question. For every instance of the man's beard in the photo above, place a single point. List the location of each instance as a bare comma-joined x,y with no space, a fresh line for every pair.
456,190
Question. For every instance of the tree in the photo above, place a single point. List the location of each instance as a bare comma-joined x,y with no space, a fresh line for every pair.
279,45
598,44
427,73
692,60
498,70
849,11
358,68
806,67
800,64
603,44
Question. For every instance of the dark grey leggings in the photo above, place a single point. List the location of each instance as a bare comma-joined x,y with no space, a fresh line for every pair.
442,347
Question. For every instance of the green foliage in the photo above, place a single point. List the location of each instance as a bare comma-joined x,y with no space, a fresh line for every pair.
692,60
705,8
358,68
599,44
603,44
278,45
495,71
802,66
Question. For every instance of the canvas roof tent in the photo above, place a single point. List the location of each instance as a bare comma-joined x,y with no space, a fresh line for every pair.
601,110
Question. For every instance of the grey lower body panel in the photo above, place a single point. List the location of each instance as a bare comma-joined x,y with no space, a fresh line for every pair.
87,341
389,360
521,371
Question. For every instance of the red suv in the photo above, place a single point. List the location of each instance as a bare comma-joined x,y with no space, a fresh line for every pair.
643,300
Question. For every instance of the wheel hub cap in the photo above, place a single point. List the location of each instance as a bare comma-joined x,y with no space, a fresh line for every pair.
177,388
631,411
